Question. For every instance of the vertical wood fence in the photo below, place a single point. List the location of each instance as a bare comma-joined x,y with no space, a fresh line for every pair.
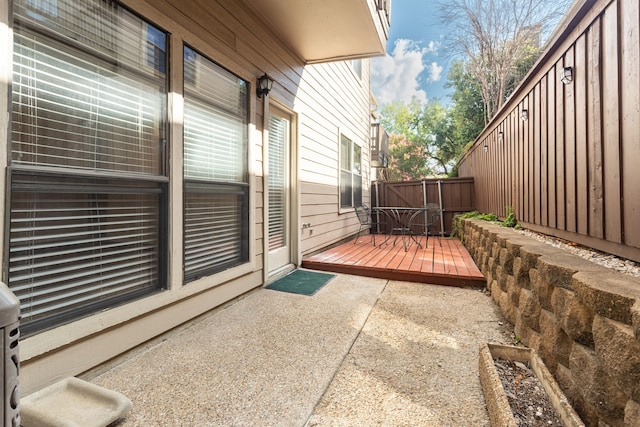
566,154
456,194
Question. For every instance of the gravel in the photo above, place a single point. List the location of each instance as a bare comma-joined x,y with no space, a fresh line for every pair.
606,260
529,402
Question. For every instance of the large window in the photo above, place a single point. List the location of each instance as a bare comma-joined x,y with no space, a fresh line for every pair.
216,186
350,173
88,187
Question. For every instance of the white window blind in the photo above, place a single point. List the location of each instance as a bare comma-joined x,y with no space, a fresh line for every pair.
75,246
278,136
70,112
357,175
350,173
88,204
216,218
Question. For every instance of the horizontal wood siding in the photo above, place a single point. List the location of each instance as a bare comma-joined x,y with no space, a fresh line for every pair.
324,116
571,169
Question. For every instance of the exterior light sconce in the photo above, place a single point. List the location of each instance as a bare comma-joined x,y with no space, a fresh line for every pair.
485,148
524,115
566,75
500,136
265,83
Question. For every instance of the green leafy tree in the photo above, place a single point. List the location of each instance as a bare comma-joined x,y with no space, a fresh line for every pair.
421,140
467,109
406,140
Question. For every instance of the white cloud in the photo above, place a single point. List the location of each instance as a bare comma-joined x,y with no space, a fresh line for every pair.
395,77
432,47
435,72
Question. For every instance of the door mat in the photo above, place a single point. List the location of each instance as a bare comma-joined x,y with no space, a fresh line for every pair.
301,282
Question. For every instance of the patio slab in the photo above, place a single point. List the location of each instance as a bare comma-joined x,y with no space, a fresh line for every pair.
361,350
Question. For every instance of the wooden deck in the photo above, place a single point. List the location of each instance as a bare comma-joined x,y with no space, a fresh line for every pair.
443,262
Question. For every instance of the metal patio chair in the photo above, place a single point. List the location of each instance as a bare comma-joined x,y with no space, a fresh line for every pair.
366,222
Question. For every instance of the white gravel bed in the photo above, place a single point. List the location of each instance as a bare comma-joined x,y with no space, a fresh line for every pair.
607,260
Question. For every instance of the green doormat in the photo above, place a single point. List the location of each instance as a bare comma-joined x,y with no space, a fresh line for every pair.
301,282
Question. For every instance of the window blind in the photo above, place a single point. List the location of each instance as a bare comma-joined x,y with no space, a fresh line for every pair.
78,246
346,185
216,214
215,230
278,134
87,216
350,173
213,144
357,175
82,116
84,93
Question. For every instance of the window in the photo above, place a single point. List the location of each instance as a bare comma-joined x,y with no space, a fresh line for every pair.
216,183
350,173
88,187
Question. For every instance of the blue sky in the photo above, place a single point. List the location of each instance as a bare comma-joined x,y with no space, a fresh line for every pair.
415,64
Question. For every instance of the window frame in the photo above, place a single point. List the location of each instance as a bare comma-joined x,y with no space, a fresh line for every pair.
209,185
117,181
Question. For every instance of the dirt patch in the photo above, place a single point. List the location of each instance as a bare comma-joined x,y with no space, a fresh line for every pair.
528,400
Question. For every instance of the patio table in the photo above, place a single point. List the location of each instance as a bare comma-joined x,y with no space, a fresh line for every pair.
402,221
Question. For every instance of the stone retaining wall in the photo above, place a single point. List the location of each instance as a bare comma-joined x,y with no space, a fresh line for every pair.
582,319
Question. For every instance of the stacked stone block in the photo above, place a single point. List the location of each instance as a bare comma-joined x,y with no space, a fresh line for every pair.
582,318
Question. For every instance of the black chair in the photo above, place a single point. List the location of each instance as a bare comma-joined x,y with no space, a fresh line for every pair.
366,222
425,221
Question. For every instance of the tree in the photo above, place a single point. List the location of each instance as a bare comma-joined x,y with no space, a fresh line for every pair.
422,140
467,108
406,141
496,37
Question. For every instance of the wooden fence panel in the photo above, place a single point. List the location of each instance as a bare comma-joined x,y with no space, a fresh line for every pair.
611,134
630,75
551,147
458,196
582,189
571,169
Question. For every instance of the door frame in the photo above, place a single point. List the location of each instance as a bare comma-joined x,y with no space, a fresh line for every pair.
294,190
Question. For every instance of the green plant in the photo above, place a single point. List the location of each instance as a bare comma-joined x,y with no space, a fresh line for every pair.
456,223
510,220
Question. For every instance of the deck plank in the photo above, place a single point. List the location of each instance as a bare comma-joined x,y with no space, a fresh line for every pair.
439,260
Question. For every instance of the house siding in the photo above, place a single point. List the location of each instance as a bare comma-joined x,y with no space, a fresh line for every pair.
324,99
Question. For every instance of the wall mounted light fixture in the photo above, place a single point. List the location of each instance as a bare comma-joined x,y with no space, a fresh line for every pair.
566,75
500,136
524,115
265,83
485,148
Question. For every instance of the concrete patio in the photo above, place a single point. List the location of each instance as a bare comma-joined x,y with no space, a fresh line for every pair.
361,351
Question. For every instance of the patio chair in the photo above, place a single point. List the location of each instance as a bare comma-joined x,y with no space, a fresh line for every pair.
420,222
432,218
366,222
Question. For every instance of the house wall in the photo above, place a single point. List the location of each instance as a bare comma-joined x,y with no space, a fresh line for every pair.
325,101
570,170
